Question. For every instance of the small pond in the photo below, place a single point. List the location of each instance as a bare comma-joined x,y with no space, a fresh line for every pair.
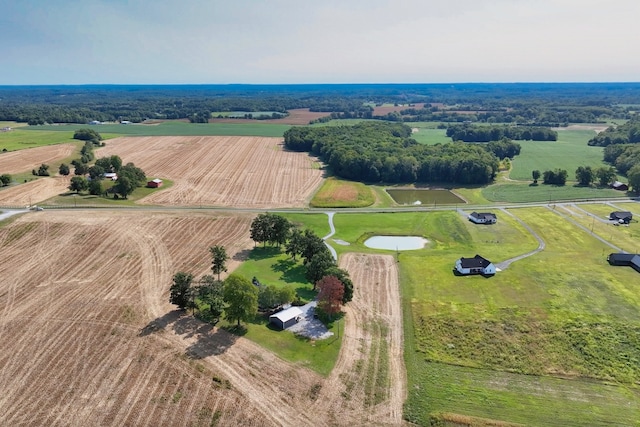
392,243
411,196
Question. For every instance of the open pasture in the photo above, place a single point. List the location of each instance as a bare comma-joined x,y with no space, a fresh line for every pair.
21,139
296,117
338,193
568,152
222,171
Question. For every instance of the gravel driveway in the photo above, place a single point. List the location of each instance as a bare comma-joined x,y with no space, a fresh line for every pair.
308,326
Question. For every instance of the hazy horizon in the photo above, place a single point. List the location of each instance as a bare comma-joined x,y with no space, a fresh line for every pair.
166,42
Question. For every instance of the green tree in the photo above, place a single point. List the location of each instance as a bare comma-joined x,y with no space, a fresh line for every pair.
343,276
180,294
79,167
43,170
268,297
78,184
87,135
318,266
210,294
219,259
634,178
535,174
95,187
312,244
123,186
259,229
605,175
295,244
585,175
64,169
5,179
96,172
241,297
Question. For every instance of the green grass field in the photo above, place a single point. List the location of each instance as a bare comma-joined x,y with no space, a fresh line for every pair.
176,129
568,152
20,139
520,192
552,340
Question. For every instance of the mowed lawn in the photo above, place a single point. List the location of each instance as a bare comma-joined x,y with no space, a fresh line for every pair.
568,152
552,340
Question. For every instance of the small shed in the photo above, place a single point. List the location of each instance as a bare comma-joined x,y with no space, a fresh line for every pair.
483,218
475,265
621,217
286,318
620,186
111,175
154,183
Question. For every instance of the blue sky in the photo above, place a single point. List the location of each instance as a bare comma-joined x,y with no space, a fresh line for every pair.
309,41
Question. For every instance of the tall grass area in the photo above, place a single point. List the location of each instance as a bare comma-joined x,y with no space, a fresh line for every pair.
338,193
176,128
568,152
496,347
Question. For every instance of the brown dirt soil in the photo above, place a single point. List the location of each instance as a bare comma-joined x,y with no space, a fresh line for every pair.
35,191
383,110
371,350
26,160
89,337
300,116
250,172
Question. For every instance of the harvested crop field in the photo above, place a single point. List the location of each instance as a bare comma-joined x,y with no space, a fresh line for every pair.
35,191
250,172
90,338
25,160
368,384
298,117
382,110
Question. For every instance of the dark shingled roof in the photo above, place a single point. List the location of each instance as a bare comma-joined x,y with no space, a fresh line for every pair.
630,260
475,262
483,215
620,215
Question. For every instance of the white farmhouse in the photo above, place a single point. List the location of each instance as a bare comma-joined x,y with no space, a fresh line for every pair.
483,218
475,265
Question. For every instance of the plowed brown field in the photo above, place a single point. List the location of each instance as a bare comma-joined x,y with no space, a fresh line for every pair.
34,191
250,172
90,339
26,160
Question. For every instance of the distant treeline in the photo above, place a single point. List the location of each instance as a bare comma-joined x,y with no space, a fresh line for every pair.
544,104
628,133
385,152
467,133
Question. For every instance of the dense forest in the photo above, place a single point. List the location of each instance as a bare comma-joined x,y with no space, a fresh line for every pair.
535,104
468,133
385,152
628,133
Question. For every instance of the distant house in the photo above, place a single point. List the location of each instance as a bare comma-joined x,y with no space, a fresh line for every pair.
6,129
111,175
483,218
475,265
630,260
125,122
286,318
95,122
154,183
620,186
621,217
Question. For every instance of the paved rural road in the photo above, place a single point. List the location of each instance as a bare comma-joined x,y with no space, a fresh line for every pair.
541,245
7,213
333,231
